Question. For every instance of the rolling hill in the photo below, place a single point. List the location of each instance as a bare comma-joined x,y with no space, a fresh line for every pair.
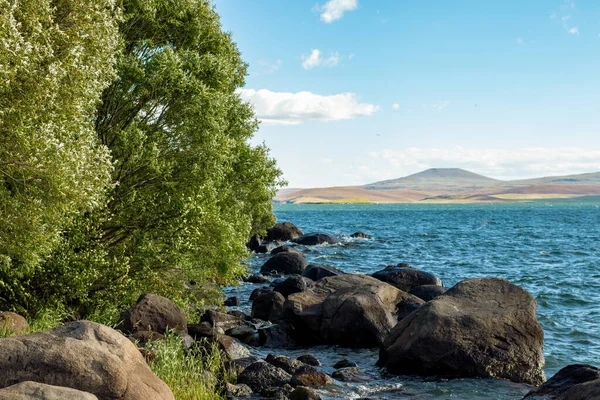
449,185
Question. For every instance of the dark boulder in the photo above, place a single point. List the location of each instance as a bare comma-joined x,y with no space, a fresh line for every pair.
235,391
293,284
239,364
344,364
285,248
573,382
254,243
268,306
283,231
203,330
230,348
233,301
307,375
479,328
267,247
287,263
144,337
317,271
280,335
312,239
257,278
262,375
348,310
309,359
304,393
287,364
360,235
350,374
245,334
154,313
428,292
405,277
221,320
259,292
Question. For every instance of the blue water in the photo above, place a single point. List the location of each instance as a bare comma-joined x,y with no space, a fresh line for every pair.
552,249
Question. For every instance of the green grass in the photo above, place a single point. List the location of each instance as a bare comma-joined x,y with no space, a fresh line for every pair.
191,374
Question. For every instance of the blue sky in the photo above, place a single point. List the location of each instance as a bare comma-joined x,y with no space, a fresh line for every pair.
355,91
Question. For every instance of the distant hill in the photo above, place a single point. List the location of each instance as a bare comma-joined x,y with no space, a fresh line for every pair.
438,180
449,185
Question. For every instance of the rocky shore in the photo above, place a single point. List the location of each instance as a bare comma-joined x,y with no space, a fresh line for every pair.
479,328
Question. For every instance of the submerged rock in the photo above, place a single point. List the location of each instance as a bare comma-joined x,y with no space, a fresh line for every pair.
154,313
573,382
350,374
287,263
360,235
308,375
479,328
81,355
405,277
283,231
257,278
348,310
344,364
285,248
312,239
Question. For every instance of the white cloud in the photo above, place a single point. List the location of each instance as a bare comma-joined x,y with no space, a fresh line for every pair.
519,41
284,108
574,31
440,105
396,106
314,59
335,9
497,163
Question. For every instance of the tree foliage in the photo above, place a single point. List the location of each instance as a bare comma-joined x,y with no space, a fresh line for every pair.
56,57
186,187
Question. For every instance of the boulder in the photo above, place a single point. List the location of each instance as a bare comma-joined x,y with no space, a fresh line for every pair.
267,247
350,374
235,391
479,328
81,355
259,292
307,375
230,348
233,301
428,292
154,313
218,319
405,277
238,365
283,231
285,248
309,359
278,392
40,391
12,323
280,335
268,306
348,310
287,263
144,337
360,235
262,375
203,330
257,278
293,284
312,239
573,382
304,393
245,334
317,271
254,243
287,364
345,363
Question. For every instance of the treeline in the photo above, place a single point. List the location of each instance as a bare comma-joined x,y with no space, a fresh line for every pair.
125,163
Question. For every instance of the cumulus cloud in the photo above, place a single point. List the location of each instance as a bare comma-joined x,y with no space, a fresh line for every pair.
335,9
314,59
396,106
497,163
573,31
284,108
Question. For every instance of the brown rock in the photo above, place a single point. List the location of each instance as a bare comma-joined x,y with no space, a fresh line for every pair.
308,375
479,328
81,355
12,323
154,313
39,391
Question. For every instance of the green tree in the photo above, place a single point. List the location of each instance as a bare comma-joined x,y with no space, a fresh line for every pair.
56,57
188,188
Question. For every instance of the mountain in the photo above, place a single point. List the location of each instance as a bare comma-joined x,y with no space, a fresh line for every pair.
438,180
449,185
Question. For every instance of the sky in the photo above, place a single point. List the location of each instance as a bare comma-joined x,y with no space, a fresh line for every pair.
356,91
